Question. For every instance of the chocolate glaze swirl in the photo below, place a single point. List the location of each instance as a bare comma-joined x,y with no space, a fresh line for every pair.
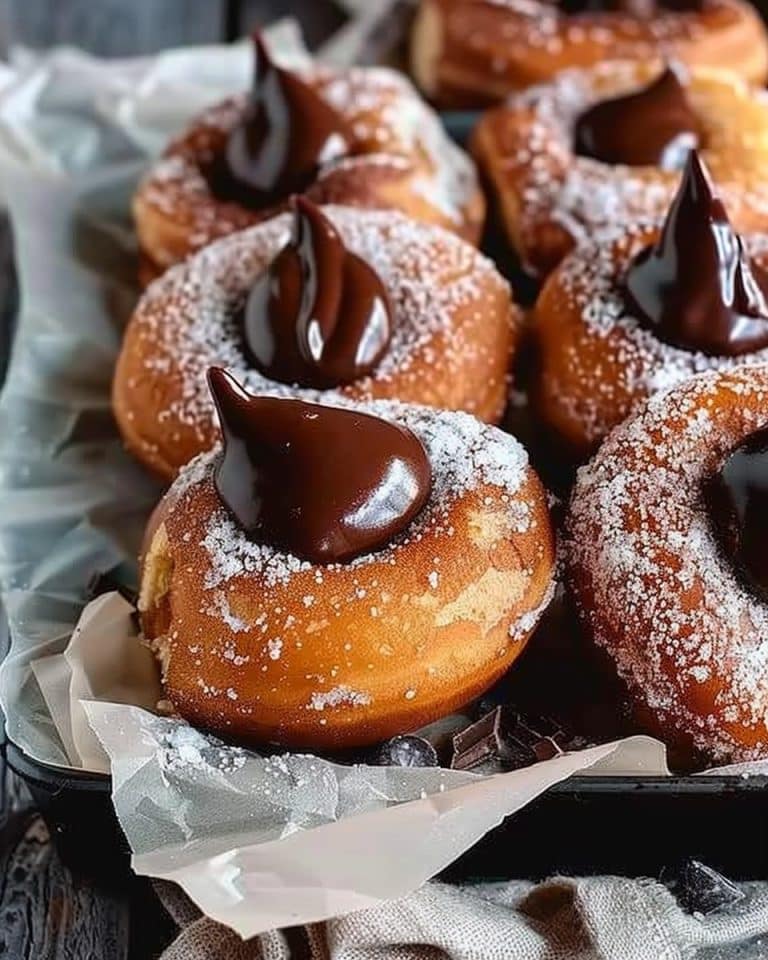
320,315
324,483
696,288
737,498
653,126
286,134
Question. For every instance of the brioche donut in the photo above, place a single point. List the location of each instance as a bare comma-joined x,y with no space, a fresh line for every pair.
471,53
595,359
653,587
265,647
397,157
454,328
551,197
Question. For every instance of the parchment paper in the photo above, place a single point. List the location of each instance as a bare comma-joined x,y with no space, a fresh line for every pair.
256,842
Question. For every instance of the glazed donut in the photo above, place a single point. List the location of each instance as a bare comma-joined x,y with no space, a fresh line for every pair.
453,330
553,190
599,354
656,585
263,645
471,53
385,149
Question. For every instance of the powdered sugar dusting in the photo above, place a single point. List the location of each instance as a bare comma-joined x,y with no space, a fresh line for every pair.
188,322
463,453
558,192
651,584
615,360
390,126
338,696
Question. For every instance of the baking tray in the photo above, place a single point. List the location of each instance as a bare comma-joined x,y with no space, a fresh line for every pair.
571,829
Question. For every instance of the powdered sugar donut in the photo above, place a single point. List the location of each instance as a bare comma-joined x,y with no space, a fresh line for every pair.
263,646
551,197
471,53
653,587
397,157
454,329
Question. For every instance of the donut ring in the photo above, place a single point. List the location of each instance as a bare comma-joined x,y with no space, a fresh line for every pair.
400,159
595,361
471,53
550,198
454,330
262,646
651,585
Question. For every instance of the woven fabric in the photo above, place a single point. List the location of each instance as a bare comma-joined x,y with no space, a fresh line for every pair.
596,918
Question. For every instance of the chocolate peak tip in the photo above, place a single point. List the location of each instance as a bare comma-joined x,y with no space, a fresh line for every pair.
696,286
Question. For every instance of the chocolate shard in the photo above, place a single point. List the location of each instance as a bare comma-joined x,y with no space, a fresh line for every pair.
407,750
506,739
702,890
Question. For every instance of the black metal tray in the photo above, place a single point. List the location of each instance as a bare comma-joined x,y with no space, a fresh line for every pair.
632,826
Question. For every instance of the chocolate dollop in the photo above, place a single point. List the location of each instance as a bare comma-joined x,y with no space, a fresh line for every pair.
324,483
320,315
696,288
737,498
286,134
653,126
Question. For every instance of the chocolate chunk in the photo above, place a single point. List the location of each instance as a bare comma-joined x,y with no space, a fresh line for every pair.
407,750
324,483
286,134
505,738
700,889
655,126
696,288
320,315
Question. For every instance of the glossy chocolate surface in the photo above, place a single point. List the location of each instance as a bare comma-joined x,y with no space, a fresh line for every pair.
696,287
655,126
324,483
286,134
319,316
738,503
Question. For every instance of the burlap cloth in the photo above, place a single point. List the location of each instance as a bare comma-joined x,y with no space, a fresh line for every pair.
597,918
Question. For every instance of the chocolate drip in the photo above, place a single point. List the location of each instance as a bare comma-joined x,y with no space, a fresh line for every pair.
737,498
324,483
654,126
696,287
286,134
320,315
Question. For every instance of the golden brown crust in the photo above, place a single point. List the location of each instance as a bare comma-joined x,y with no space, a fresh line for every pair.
652,586
595,361
472,53
455,330
401,160
349,654
549,198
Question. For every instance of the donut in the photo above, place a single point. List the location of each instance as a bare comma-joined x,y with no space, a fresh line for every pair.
472,53
302,634
359,136
453,330
604,146
665,553
642,307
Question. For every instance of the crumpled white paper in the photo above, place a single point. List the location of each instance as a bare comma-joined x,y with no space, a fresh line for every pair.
256,842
